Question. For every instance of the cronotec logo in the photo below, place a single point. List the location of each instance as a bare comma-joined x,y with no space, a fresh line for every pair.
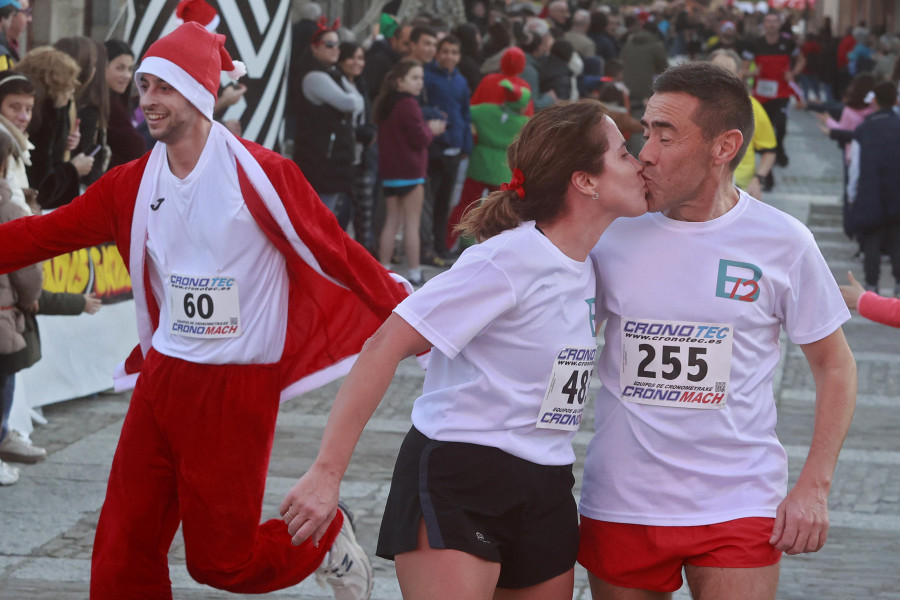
738,281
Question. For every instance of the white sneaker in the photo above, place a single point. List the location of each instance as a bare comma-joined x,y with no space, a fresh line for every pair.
16,448
8,474
346,567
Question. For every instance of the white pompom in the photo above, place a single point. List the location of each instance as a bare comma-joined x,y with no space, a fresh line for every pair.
240,69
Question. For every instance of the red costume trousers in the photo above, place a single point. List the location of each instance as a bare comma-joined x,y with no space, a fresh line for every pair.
195,449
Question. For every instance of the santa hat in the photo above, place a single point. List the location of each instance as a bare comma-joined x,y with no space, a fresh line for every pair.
198,11
191,60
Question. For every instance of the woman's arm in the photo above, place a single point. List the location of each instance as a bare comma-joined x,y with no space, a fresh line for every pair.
311,504
320,88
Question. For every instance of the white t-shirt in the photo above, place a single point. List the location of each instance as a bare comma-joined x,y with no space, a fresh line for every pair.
685,420
221,286
499,320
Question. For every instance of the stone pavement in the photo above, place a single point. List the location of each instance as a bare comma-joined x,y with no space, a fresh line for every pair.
48,518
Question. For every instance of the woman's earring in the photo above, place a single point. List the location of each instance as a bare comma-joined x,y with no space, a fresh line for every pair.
595,196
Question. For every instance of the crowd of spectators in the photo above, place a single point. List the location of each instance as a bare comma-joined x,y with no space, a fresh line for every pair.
66,115
560,50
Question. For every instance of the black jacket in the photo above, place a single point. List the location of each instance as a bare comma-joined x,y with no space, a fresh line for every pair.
877,202
324,140
55,180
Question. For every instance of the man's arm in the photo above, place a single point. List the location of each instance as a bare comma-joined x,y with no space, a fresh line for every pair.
801,523
88,221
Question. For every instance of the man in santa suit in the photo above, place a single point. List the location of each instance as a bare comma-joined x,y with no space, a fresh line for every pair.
247,292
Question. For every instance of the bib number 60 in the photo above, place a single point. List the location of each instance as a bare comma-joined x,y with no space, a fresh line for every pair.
203,307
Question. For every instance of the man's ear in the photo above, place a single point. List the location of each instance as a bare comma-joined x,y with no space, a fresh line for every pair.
727,146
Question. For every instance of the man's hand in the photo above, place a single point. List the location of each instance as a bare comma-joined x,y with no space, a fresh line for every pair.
852,292
229,96
311,505
92,303
801,522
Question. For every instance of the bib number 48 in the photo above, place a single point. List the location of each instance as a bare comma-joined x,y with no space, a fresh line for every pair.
573,390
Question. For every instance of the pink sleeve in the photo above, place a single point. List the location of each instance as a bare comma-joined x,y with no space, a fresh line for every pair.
880,309
850,120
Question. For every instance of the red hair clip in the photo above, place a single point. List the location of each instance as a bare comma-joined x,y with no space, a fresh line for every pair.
516,184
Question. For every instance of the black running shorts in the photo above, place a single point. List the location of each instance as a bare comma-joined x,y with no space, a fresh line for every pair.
486,502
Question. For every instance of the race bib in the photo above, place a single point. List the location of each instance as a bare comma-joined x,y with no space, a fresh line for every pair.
570,384
204,307
675,363
767,88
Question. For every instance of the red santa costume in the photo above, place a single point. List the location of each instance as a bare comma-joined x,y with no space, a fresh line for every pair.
247,291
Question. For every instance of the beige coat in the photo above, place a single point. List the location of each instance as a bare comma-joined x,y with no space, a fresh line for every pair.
18,160
18,289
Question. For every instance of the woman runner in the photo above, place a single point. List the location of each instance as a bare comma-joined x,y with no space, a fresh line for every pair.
481,499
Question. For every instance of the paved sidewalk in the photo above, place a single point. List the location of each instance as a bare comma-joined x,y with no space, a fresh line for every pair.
48,518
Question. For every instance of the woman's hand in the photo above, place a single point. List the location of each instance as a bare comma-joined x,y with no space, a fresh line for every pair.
82,163
74,137
852,292
310,506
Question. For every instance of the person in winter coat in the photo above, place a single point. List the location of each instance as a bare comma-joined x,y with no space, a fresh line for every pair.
19,291
125,142
870,305
470,48
53,171
8,53
512,64
496,126
873,186
554,71
91,102
536,42
16,106
324,146
643,57
403,139
384,54
16,103
447,90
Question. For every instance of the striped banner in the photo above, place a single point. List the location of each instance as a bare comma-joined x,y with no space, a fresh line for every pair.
258,33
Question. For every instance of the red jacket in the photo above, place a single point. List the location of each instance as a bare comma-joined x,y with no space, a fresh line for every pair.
338,295
403,140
